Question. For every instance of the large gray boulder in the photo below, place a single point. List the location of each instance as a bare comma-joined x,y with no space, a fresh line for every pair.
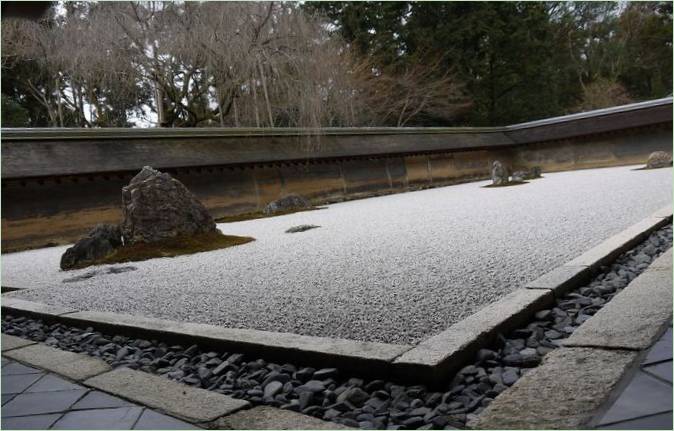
156,207
659,159
290,202
499,174
99,242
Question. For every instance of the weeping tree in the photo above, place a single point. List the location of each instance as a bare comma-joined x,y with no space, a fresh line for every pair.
192,64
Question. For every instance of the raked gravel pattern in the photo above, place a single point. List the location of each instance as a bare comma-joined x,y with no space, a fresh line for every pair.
367,404
393,269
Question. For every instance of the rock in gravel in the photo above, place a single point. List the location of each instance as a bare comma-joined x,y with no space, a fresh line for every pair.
325,373
518,176
509,377
301,228
304,374
272,389
156,207
99,242
311,386
499,174
355,396
486,354
659,159
290,202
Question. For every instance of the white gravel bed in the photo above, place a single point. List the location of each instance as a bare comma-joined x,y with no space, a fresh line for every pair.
393,269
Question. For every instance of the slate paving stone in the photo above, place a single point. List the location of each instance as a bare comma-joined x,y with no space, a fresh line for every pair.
38,422
7,398
151,420
100,400
52,383
662,370
16,368
662,350
14,384
41,403
118,418
645,395
662,421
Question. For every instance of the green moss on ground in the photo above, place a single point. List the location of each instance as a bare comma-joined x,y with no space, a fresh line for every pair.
646,168
260,214
512,183
177,246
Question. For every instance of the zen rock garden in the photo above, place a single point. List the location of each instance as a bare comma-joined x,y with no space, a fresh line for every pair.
161,217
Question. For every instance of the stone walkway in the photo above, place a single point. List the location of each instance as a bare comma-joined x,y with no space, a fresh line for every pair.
34,399
646,401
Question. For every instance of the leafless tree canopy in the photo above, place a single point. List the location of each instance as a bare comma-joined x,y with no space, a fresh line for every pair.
229,64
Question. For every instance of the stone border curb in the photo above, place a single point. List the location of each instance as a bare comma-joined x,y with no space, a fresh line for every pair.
272,418
562,393
10,342
195,405
633,319
356,356
44,311
610,249
439,357
432,360
576,380
72,365
562,279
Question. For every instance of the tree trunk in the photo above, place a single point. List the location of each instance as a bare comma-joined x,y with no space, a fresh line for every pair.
257,114
221,116
161,115
59,102
236,113
91,107
266,94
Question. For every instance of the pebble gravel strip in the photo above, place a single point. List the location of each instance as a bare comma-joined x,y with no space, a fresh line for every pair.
354,402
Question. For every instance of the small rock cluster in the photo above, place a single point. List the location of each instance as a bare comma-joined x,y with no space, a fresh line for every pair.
353,401
659,159
500,176
155,207
291,202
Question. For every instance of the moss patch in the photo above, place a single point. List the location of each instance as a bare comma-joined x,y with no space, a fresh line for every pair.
260,214
170,248
512,183
646,168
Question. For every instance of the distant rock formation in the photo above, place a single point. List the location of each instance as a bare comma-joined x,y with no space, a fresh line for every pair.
499,174
526,174
518,176
659,159
287,203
